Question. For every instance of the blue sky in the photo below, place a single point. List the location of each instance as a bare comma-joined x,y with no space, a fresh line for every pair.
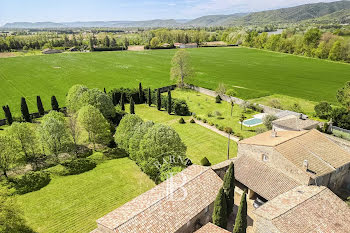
106,10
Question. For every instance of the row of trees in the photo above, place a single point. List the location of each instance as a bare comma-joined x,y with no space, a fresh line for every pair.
224,202
312,43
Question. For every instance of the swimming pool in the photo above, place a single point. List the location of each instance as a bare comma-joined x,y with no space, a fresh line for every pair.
252,122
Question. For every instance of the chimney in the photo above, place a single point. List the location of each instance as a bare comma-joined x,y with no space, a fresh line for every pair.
274,133
306,165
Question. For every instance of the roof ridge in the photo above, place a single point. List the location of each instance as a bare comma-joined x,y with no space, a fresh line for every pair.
202,172
302,132
290,209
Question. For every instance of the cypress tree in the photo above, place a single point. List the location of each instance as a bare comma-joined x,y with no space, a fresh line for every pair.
8,114
241,218
229,188
122,102
40,106
169,106
104,90
149,97
141,94
54,103
24,110
159,100
220,212
132,106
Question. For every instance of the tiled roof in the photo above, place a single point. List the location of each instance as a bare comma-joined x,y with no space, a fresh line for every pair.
307,209
169,205
295,123
268,182
266,139
322,154
211,228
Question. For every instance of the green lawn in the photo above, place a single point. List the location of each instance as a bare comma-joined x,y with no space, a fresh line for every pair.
200,141
259,72
202,105
74,203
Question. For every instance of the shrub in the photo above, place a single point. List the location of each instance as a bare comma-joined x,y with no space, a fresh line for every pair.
114,153
255,107
228,130
218,99
182,121
268,119
211,123
217,113
296,108
77,166
192,121
240,136
181,108
323,110
221,128
210,114
31,181
199,118
205,121
205,162
231,92
260,130
275,103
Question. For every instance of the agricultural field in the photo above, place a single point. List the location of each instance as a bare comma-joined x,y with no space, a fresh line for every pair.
254,73
74,203
200,141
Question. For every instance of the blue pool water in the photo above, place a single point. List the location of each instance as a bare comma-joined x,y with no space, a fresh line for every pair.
252,122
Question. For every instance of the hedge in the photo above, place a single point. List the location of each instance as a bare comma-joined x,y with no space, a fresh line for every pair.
77,166
31,181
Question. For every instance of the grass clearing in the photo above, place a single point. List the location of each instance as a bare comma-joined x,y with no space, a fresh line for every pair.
203,105
259,72
200,141
74,203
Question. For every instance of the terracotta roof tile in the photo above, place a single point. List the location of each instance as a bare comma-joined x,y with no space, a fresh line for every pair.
295,123
268,182
307,209
166,210
211,228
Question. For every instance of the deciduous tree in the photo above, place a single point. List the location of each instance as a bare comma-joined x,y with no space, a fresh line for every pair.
181,68
95,124
126,129
343,95
9,153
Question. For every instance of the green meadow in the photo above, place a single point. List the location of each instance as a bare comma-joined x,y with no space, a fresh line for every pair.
254,73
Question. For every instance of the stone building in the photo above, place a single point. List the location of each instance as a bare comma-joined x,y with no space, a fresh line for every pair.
183,204
309,209
272,163
211,228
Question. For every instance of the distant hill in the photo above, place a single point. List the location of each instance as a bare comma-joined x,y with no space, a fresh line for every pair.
90,24
293,14
318,12
215,20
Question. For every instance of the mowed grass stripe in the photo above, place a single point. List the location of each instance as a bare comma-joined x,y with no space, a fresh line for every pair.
200,141
74,203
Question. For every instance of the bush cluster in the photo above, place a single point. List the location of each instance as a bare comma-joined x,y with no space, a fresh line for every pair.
128,93
205,162
31,181
77,166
